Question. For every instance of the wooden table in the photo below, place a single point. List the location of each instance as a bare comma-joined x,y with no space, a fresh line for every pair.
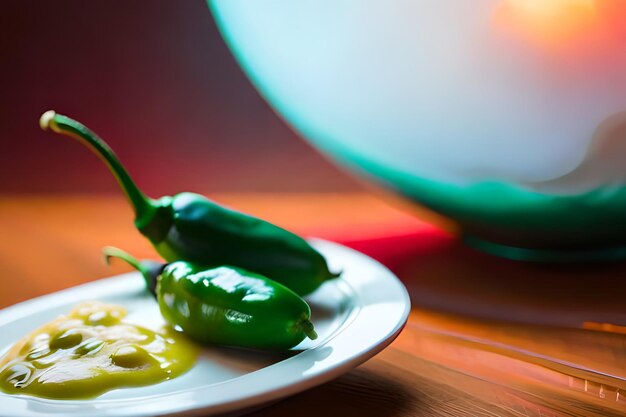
486,336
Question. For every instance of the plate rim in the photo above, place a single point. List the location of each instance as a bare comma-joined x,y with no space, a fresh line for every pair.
341,362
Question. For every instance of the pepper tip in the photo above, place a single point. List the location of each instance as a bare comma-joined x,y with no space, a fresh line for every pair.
312,334
334,275
308,329
47,120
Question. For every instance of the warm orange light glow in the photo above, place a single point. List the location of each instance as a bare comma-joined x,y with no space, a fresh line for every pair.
549,22
552,7
604,327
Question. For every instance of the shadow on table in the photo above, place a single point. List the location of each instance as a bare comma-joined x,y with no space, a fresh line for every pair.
362,391
443,274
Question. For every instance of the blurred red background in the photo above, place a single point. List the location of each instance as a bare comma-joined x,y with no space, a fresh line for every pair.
154,79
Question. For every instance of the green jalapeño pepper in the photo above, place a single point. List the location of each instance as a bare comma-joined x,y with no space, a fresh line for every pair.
225,305
190,227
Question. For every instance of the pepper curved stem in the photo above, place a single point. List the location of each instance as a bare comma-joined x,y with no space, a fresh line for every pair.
143,206
113,252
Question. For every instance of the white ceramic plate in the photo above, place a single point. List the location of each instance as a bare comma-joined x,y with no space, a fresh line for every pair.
355,316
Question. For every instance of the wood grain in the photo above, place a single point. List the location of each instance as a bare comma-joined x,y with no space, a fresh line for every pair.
486,337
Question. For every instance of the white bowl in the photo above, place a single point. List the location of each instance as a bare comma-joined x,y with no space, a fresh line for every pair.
503,115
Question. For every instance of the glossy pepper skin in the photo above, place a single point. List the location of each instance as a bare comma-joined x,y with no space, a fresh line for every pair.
226,305
190,227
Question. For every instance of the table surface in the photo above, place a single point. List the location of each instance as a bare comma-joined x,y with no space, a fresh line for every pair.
486,336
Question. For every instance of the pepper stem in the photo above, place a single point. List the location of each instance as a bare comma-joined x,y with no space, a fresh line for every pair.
142,205
113,252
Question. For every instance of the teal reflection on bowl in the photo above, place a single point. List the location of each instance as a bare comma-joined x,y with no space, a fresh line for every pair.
506,116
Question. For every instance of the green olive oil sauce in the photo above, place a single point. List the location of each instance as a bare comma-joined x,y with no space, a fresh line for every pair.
92,351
